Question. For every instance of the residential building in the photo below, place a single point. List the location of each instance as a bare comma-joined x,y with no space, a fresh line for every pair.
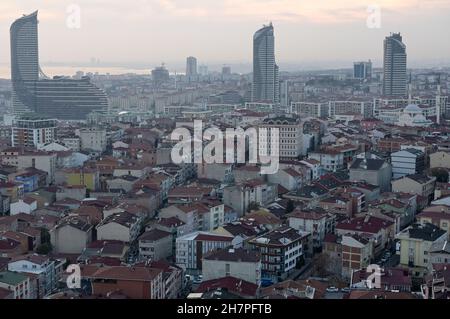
32,132
122,226
93,139
41,160
240,196
40,265
290,130
317,222
71,235
16,282
421,185
372,171
381,232
88,177
440,253
406,162
133,282
440,159
155,244
397,279
235,262
436,215
192,247
282,250
415,245
26,205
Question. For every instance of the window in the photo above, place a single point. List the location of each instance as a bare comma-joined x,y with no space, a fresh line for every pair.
227,269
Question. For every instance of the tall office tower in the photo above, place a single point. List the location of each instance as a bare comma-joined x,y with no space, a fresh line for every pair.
191,66
60,97
265,85
226,70
394,66
362,70
203,69
24,62
160,75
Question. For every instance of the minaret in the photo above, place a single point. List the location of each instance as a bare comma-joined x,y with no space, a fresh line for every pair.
409,90
438,102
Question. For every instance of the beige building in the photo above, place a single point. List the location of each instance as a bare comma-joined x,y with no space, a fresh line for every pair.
415,184
155,244
71,236
41,160
93,139
122,226
415,245
440,159
18,283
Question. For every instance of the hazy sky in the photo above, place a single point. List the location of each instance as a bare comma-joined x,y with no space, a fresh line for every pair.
220,31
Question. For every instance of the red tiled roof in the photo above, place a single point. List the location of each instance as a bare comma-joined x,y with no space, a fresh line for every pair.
372,225
171,222
232,284
206,237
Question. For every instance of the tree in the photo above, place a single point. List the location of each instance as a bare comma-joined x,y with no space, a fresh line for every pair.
441,174
45,236
289,206
44,249
320,263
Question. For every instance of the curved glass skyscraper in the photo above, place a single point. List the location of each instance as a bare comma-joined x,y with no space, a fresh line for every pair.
394,66
60,97
265,86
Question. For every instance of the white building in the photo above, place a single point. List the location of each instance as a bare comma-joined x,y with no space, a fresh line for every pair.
407,162
122,226
31,132
239,263
26,205
191,248
413,115
290,135
93,139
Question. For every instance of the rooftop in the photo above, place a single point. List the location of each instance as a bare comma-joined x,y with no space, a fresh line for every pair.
427,232
234,255
12,278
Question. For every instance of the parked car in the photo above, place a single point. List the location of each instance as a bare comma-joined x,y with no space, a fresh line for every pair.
345,290
332,289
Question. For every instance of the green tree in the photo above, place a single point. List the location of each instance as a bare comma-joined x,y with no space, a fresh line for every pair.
289,206
441,174
45,236
44,249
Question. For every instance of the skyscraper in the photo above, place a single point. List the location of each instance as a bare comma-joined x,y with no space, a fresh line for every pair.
265,71
394,66
362,70
160,75
191,66
60,97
